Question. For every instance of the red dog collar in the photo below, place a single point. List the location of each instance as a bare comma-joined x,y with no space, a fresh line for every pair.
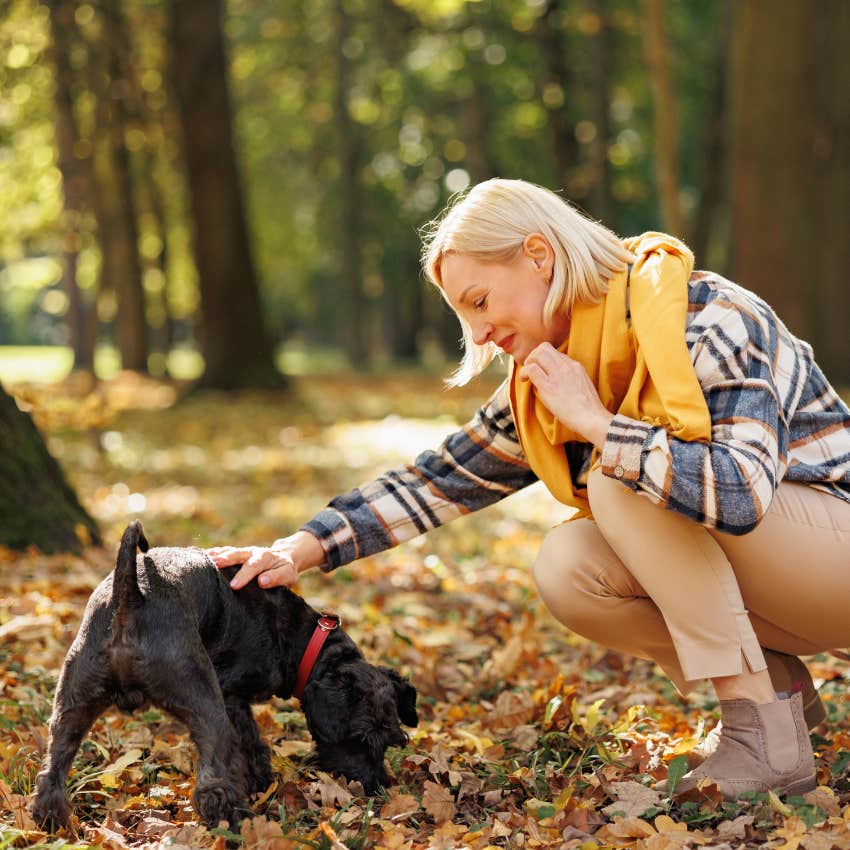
327,623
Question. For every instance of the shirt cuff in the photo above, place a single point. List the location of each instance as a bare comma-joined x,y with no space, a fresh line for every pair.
623,449
334,534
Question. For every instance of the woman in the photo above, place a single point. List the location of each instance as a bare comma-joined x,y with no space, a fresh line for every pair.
707,456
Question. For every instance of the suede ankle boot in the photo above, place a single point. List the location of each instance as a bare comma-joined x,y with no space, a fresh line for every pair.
761,748
788,674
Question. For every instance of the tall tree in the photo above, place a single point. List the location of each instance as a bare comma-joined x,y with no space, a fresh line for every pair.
666,118
712,184
599,201
77,181
37,507
557,71
118,230
789,147
234,341
354,327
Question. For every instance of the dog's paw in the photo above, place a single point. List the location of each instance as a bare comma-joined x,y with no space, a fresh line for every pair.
217,802
50,809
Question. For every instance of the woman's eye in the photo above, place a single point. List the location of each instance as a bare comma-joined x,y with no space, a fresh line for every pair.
481,303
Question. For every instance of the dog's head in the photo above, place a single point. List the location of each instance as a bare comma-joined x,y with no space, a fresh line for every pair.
355,716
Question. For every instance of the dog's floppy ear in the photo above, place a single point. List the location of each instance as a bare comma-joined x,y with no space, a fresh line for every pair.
405,695
327,712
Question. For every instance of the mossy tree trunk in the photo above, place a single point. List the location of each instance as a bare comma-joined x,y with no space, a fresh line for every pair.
37,506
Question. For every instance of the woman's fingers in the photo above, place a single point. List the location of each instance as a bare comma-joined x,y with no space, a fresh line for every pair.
269,567
533,372
282,576
227,556
255,564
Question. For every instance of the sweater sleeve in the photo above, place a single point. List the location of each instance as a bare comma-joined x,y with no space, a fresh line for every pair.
474,467
728,483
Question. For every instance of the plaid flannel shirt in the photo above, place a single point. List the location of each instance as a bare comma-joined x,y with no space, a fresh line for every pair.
774,417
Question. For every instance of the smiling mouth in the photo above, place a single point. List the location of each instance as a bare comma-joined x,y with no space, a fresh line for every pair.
506,343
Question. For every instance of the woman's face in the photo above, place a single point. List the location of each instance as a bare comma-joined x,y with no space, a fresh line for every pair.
503,301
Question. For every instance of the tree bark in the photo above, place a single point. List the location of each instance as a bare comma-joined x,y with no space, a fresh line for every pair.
37,506
354,329
77,180
666,119
557,70
119,242
713,146
790,167
234,340
599,201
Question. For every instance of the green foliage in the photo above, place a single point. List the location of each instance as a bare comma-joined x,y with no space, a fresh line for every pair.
437,94
677,768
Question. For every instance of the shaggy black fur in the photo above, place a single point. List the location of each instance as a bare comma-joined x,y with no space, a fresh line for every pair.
166,628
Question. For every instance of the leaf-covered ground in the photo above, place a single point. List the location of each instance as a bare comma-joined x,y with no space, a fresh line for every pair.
529,736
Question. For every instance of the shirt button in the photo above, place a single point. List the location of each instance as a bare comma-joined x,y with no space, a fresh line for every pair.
618,471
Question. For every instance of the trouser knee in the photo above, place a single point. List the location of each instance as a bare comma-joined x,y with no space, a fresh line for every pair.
567,574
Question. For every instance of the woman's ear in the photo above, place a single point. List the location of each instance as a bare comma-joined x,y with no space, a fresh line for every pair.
536,248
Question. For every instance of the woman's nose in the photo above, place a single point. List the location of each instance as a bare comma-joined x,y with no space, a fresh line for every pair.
481,333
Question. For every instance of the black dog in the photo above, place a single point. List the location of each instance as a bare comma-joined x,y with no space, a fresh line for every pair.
166,628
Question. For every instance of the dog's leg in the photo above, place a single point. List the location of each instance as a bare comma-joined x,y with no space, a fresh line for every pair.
193,696
258,766
78,702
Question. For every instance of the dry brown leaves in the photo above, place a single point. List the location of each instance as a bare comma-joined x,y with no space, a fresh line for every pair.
529,737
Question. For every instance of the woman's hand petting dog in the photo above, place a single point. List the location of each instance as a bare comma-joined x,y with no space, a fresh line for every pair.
275,566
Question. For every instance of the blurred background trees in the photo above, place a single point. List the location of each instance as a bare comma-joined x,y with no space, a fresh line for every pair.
185,185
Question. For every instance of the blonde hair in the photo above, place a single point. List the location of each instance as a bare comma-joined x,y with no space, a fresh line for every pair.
490,223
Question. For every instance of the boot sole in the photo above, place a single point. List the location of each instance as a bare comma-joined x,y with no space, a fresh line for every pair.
801,786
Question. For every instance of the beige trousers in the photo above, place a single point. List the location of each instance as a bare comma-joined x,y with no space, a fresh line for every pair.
647,581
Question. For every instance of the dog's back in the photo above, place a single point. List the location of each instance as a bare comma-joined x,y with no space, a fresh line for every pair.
162,600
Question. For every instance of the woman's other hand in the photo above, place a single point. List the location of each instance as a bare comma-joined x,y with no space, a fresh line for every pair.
275,566
564,386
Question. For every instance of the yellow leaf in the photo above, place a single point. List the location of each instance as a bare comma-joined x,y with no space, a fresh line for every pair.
481,744
627,720
691,742
560,802
664,823
793,832
593,716
778,806
109,777
329,833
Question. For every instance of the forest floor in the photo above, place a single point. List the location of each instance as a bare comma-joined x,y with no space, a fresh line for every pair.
528,737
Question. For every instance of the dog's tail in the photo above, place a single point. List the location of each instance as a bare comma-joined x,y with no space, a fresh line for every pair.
125,583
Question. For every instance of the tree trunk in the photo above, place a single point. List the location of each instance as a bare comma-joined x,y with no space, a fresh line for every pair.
122,244
558,72
354,329
666,119
77,179
476,126
599,202
37,507
712,180
234,341
790,167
